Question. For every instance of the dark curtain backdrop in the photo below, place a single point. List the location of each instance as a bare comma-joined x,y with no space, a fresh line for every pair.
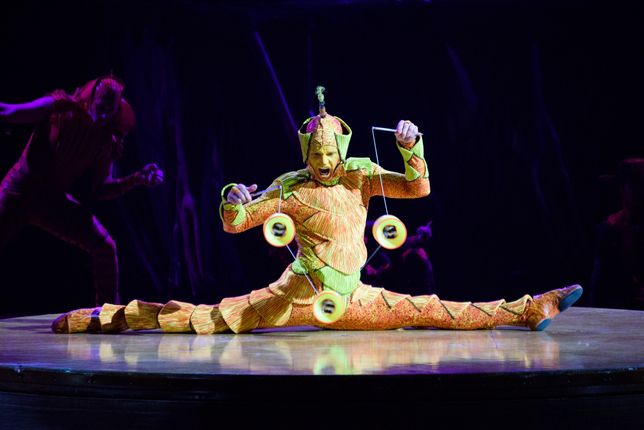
524,105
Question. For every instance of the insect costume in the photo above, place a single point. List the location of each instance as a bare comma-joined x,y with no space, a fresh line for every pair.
328,209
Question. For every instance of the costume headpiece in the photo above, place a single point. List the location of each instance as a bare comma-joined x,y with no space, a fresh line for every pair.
108,88
324,129
125,119
108,85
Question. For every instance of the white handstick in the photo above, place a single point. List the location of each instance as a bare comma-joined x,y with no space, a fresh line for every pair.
257,193
393,130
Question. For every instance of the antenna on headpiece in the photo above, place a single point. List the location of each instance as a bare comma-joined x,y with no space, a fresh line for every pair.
319,92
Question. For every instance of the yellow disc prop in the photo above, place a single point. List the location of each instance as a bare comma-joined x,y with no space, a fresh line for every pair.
328,307
389,232
279,230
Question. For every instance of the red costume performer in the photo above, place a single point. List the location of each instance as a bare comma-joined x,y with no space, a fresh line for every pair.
77,136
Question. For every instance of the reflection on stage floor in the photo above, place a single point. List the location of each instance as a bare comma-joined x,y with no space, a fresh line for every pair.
586,357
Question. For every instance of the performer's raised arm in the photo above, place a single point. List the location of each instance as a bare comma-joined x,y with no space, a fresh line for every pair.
415,181
27,113
36,110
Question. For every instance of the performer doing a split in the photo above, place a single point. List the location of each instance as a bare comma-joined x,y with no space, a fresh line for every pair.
327,204
76,138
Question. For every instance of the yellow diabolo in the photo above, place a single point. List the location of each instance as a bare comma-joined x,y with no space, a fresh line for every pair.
328,307
389,232
279,229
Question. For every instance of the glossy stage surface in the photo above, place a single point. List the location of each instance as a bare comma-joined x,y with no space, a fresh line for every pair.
588,364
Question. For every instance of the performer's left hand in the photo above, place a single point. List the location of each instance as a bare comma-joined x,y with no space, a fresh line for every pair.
406,132
151,175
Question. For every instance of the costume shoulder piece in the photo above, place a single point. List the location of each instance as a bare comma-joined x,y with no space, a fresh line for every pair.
355,163
291,179
62,101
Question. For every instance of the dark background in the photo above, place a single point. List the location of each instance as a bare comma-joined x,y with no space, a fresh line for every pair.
524,106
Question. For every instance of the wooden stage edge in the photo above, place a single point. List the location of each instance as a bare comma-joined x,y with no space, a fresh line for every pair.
586,370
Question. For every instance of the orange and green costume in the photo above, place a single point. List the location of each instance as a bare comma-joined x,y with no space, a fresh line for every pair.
330,218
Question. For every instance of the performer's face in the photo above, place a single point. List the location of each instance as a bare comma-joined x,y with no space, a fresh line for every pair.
105,103
323,161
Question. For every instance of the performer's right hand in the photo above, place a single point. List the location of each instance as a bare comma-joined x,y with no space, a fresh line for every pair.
240,193
150,175
406,132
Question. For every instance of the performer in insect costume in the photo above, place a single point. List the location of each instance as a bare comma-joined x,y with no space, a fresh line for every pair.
325,207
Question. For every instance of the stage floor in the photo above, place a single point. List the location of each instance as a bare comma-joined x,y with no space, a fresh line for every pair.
588,361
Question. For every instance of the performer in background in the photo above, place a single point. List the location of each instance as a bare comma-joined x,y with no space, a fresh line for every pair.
76,139
407,269
618,271
327,202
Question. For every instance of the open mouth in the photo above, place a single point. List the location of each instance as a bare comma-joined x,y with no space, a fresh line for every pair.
324,172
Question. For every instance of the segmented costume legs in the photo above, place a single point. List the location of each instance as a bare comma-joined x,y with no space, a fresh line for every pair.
287,303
